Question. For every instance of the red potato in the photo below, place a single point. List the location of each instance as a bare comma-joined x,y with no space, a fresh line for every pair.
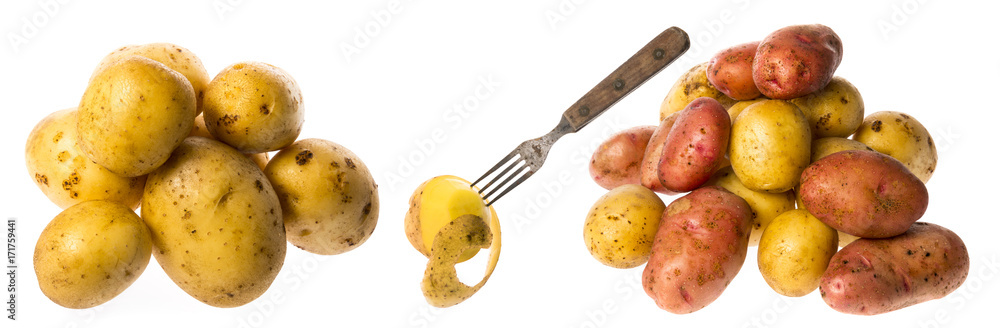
863,193
873,276
698,250
696,145
617,160
648,172
731,71
797,60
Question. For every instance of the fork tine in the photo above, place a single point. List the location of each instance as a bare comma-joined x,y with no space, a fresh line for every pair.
513,163
511,186
505,181
495,167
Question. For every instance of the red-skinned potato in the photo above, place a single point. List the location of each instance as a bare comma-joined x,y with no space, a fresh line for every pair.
699,248
797,60
695,146
863,193
617,160
731,71
648,172
874,276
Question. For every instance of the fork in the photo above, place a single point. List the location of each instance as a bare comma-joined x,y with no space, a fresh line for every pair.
529,156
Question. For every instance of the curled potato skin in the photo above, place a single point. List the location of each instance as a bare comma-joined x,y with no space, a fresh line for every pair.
699,248
874,276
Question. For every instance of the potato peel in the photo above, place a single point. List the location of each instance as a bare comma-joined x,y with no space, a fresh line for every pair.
441,286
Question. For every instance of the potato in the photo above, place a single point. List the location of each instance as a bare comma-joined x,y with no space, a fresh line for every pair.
620,227
441,285
200,130
874,276
67,177
173,56
699,248
617,160
764,206
835,110
863,193
770,146
690,86
843,238
794,251
649,175
133,114
730,71
695,146
797,60
254,107
216,223
328,197
824,147
438,201
90,253
902,137
739,106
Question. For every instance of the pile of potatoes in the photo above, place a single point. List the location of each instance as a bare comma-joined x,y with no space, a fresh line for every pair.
152,131
775,152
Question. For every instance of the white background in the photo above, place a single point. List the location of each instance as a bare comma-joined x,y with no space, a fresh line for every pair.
528,60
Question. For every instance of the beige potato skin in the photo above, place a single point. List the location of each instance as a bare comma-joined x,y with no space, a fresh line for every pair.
90,253
903,137
173,56
874,276
216,223
620,227
133,114
794,251
200,130
770,146
764,206
254,107
836,110
739,106
328,197
699,248
65,175
824,147
690,86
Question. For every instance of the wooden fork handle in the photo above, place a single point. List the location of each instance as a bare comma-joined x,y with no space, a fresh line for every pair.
652,58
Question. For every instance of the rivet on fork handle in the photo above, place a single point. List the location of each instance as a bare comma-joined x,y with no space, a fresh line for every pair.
529,156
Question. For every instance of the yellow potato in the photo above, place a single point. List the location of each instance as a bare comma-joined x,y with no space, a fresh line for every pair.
739,106
173,56
216,223
835,110
691,86
435,203
67,177
133,114
254,107
794,251
90,253
765,206
769,146
621,225
903,137
823,147
199,130
329,199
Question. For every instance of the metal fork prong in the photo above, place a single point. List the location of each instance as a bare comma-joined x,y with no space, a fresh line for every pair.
497,166
511,164
505,181
511,186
